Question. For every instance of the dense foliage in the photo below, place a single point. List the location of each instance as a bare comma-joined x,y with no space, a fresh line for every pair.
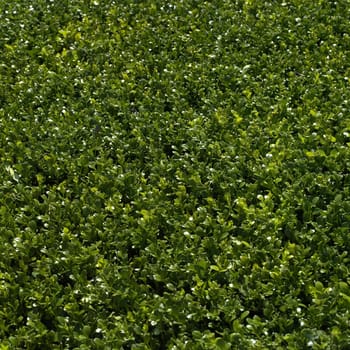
174,174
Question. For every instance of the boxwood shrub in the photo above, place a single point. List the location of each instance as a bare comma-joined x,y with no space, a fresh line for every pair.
174,175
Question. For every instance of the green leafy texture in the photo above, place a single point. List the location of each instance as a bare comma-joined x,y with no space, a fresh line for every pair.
174,175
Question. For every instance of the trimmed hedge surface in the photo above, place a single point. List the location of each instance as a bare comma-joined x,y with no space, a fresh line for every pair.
174,175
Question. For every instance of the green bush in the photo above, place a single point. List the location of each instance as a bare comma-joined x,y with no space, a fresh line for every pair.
174,174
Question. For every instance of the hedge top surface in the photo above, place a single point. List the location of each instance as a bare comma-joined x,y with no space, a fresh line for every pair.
174,175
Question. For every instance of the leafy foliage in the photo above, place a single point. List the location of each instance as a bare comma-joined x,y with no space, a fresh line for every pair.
174,174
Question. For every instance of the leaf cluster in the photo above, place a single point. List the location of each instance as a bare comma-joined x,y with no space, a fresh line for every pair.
174,175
